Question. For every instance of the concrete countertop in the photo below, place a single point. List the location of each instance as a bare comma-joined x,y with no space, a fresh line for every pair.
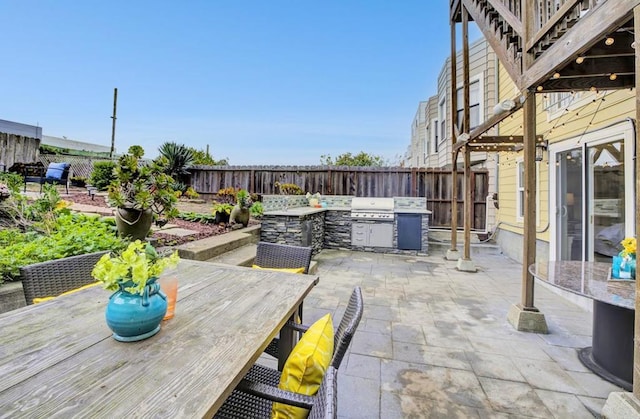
411,211
302,211
296,211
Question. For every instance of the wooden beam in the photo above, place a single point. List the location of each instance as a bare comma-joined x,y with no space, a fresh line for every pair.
557,16
507,59
493,148
508,16
454,10
490,123
497,139
587,31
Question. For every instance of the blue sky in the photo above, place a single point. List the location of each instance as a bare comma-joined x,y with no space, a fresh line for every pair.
260,82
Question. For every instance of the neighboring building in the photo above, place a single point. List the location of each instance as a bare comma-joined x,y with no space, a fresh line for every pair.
415,153
24,130
65,143
585,182
431,127
433,147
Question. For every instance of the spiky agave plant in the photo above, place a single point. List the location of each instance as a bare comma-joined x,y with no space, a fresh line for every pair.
180,157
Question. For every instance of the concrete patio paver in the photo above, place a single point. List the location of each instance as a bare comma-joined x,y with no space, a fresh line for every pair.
435,342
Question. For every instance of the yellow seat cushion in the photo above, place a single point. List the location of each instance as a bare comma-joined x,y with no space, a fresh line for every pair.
292,270
305,367
43,299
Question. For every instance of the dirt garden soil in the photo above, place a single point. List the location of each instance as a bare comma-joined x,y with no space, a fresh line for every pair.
203,230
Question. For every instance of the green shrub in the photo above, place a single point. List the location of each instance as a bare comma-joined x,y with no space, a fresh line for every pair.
222,207
257,210
197,217
288,188
191,193
13,181
72,234
102,174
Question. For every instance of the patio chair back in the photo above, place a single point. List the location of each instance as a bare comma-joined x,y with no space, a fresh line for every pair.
325,402
53,277
347,327
275,255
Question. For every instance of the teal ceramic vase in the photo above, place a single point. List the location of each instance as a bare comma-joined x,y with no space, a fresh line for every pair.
134,317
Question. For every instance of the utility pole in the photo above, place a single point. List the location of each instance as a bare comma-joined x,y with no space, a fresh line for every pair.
113,124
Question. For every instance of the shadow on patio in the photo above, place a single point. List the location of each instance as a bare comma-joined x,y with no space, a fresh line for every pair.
435,342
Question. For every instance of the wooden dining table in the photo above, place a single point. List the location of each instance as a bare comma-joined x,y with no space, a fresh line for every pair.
58,358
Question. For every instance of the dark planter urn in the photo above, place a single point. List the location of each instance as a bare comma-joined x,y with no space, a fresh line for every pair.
221,217
134,224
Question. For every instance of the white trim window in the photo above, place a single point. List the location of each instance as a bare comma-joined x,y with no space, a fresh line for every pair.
434,135
475,103
442,118
520,191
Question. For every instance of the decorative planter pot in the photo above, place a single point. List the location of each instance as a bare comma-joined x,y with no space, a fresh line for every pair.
240,216
134,317
134,223
221,217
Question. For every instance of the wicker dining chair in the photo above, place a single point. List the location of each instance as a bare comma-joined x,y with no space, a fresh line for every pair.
343,335
259,388
275,255
53,277
256,399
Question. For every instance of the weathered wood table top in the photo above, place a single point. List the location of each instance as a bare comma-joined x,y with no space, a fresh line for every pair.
58,359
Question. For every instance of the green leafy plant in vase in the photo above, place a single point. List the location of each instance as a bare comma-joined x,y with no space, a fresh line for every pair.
137,306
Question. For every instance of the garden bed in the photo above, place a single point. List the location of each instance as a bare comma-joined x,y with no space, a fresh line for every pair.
203,230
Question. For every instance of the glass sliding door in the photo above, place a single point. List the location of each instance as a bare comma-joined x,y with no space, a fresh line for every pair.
569,204
592,192
605,181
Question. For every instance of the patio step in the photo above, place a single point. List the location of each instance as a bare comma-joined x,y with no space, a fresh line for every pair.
211,247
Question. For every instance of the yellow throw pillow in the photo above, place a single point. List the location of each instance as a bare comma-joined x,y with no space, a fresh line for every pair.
292,270
43,299
305,367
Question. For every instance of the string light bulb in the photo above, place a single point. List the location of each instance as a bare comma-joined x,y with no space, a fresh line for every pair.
609,41
579,60
539,88
556,75
613,76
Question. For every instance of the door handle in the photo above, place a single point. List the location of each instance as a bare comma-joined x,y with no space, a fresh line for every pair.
563,211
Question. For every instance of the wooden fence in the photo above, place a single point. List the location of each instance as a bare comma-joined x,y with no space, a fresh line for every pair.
433,184
81,166
17,149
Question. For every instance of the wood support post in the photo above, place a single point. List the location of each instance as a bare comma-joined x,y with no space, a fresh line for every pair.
454,153
466,126
468,201
529,245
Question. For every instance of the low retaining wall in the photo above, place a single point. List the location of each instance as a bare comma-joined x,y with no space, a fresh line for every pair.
11,296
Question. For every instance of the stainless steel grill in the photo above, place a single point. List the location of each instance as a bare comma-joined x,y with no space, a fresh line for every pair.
379,209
